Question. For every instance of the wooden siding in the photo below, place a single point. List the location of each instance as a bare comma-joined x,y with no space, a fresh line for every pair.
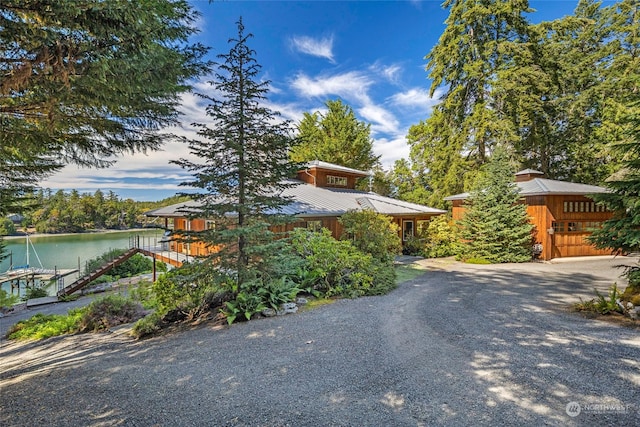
318,177
544,211
457,210
568,243
330,223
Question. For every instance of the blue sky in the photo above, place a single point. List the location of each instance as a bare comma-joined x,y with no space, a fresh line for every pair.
370,54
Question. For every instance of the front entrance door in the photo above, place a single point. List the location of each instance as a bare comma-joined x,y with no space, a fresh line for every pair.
407,229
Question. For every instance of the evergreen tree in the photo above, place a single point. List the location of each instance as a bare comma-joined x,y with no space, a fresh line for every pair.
335,137
495,226
85,80
407,184
244,155
475,45
622,232
555,92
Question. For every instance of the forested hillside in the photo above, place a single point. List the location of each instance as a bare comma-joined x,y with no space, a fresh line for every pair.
74,212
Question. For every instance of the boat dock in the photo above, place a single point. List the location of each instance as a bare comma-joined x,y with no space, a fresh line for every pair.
29,276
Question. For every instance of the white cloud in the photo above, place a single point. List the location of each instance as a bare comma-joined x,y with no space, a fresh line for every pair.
416,97
391,150
352,85
381,120
322,48
392,73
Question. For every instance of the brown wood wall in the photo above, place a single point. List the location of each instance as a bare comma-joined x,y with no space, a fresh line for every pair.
543,211
330,223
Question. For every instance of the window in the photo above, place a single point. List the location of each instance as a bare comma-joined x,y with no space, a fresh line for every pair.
558,227
574,226
314,225
601,208
407,230
209,225
340,181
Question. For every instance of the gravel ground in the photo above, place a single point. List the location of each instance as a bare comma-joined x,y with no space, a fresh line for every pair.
461,345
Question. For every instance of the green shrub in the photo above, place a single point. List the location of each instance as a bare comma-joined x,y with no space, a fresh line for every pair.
184,289
42,326
7,300
414,246
148,325
278,291
245,305
31,293
604,305
68,298
143,293
109,311
440,238
601,304
372,233
384,280
137,264
336,266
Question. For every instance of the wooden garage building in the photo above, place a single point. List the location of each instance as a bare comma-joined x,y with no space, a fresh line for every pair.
563,214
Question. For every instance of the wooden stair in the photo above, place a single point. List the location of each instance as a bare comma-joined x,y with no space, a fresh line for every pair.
85,280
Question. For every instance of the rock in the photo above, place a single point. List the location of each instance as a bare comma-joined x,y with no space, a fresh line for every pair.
634,313
629,306
301,301
288,308
268,312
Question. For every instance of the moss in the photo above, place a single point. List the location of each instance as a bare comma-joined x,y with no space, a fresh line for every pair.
314,303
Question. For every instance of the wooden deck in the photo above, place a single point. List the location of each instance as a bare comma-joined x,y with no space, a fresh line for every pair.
173,258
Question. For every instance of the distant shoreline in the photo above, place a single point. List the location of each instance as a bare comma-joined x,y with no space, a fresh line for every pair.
130,230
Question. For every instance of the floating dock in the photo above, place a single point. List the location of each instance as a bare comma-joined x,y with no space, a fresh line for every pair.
29,276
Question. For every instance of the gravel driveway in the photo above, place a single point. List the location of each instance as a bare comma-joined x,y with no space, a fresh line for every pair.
460,345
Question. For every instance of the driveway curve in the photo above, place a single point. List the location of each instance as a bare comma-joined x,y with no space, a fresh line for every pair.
459,345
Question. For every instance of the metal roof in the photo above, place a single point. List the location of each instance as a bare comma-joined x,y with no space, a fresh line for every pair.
547,187
312,201
330,166
529,172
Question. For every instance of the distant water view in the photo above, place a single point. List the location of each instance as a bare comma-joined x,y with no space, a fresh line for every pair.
70,250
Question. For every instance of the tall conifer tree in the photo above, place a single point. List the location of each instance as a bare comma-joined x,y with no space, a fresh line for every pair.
622,232
243,163
336,137
83,81
495,226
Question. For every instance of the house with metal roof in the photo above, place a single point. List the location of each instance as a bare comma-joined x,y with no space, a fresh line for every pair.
321,194
563,213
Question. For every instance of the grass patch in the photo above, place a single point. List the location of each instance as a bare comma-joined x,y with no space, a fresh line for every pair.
480,261
314,303
102,313
404,273
42,326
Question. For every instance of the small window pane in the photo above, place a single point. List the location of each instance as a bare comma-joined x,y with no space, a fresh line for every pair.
314,225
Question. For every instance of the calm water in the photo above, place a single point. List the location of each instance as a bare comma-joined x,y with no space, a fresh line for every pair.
69,251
